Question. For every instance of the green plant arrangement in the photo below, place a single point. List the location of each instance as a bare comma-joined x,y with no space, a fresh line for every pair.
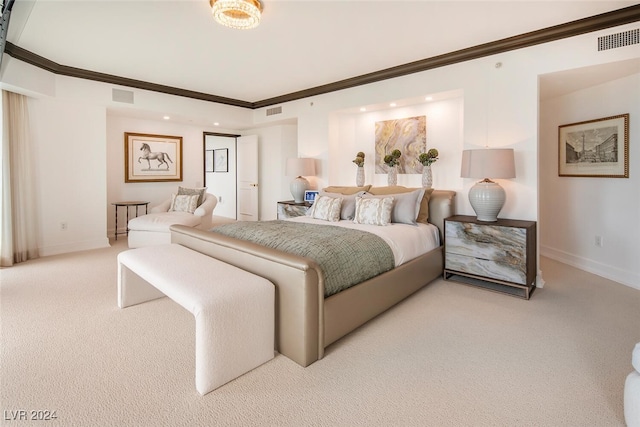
359,160
428,158
393,159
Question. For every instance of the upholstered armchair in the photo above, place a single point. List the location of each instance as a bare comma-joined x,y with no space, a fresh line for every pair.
153,228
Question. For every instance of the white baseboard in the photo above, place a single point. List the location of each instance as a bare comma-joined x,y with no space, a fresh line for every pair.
624,277
74,247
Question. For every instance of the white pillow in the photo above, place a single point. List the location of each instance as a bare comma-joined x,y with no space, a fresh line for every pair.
373,211
348,207
189,191
406,206
326,208
184,203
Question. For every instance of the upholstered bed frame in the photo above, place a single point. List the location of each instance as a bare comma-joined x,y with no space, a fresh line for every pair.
306,321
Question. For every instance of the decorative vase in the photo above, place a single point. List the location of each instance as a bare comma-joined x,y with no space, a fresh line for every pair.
427,177
392,176
359,176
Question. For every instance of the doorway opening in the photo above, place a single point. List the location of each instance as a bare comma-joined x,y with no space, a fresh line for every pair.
220,171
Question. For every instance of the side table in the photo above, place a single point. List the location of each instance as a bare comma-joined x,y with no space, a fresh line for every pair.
499,256
127,205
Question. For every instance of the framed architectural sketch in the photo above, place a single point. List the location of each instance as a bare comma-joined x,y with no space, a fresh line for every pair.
208,161
152,158
221,160
595,148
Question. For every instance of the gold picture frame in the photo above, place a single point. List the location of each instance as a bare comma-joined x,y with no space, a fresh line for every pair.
152,158
595,148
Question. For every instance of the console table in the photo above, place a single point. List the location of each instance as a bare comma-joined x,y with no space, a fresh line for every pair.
499,256
127,205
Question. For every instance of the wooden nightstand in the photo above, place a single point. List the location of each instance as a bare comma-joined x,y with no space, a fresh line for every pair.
291,209
500,256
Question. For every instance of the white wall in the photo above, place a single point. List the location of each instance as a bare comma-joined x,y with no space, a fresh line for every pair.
71,174
356,133
573,210
275,144
498,109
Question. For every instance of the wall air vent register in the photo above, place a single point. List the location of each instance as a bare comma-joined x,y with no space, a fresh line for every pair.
625,38
274,110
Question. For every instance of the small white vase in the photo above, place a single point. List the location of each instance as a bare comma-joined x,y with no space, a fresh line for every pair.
359,176
427,177
392,176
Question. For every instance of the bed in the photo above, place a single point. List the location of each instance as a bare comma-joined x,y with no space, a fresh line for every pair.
308,320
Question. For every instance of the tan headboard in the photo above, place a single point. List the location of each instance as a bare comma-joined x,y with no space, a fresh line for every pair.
441,206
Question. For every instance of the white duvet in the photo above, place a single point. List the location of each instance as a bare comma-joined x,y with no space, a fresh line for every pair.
406,241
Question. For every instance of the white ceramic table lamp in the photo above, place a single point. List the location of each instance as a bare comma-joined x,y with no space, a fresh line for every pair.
487,197
300,168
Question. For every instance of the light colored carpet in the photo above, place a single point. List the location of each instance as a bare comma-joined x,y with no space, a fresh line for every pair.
451,355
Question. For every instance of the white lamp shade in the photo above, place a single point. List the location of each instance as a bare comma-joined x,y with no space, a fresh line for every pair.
487,197
488,163
298,168
301,167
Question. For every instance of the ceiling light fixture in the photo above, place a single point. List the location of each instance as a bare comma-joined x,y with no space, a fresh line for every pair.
241,14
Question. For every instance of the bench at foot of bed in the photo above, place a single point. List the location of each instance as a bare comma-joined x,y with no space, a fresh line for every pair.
234,309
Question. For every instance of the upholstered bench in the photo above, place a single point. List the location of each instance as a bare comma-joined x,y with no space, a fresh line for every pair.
234,309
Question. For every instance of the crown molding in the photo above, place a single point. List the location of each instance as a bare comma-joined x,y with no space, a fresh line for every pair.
546,35
31,58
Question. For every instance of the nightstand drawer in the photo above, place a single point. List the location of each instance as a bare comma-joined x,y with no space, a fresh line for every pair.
486,250
499,255
487,268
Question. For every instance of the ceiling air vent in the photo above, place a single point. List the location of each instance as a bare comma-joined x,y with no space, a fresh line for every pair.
274,110
625,38
119,95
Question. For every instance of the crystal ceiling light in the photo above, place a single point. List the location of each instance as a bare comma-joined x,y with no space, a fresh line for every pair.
242,14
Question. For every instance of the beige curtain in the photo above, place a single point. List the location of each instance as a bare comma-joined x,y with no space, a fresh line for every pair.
18,215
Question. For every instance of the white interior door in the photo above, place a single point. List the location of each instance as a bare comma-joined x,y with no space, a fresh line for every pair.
248,178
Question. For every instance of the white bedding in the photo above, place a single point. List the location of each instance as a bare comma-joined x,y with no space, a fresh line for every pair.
406,241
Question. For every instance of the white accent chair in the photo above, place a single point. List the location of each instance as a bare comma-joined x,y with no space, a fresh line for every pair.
632,391
153,228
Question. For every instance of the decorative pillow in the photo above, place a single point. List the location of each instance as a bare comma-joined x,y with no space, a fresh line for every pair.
326,208
348,208
346,190
423,215
373,211
406,206
191,191
183,203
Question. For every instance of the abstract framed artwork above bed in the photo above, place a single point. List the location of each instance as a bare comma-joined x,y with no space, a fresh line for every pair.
315,307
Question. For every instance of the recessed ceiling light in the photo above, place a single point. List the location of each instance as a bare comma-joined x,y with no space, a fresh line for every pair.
216,124
166,117
393,104
363,109
429,98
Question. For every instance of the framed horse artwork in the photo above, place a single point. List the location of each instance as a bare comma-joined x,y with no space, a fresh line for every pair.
152,158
